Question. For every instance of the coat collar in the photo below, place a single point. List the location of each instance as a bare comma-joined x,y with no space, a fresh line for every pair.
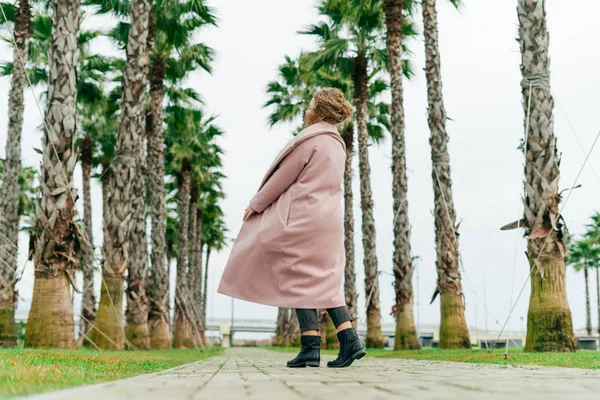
319,128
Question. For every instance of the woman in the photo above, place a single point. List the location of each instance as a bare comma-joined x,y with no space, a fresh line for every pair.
290,250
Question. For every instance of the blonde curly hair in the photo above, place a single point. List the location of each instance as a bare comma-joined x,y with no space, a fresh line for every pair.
329,105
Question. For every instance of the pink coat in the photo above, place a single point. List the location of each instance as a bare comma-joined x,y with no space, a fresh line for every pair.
291,253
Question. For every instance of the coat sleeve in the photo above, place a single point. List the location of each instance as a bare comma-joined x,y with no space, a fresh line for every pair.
283,177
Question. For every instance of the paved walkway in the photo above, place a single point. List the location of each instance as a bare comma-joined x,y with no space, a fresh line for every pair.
248,373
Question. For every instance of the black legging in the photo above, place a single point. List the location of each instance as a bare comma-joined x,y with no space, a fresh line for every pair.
307,317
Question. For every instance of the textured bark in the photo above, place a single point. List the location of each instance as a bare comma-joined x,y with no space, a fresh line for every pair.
403,262
406,337
55,240
331,339
549,323
204,289
112,335
453,326
196,265
182,326
88,308
282,315
374,334
9,198
136,314
349,270
132,117
158,291
588,308
50,322
195,261
598,294
105,184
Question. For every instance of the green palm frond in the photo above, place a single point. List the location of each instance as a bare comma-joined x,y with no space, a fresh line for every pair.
10,12
117,7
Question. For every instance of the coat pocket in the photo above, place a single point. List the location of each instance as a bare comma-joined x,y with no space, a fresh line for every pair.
289,212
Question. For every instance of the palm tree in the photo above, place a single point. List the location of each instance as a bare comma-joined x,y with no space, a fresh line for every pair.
406,332
189,134
209,179
91,74
116,246
583,255
453,327
593,234
55,241
350,42
549,323
214,237
136,313
92,107
206,191
26,208
173,56
95,122
9,201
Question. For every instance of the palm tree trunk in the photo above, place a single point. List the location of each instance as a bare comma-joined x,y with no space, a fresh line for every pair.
322,317
293,330
588,307
406,331
105,184
282,317
158,290
598,294
109,318
88,308
136,314
331,339
349,270
199,262
50,323
453,328
158,318
195,263
549,323
204,290
374,337
182,325
9,198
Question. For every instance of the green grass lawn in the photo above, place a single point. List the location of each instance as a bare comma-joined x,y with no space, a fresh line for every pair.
581,359
26,371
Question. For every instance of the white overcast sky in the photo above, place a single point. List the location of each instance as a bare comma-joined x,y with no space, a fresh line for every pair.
480,70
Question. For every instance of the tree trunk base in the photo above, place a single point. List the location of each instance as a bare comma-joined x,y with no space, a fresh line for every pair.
50,323
331,334
87,329
138,336
108,333
183,337
374,338
160,337
549,323
406,337
453,329
8,328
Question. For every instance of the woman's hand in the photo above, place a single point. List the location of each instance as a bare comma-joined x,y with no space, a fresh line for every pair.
248,213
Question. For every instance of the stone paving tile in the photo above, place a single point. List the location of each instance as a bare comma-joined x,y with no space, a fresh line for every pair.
257,374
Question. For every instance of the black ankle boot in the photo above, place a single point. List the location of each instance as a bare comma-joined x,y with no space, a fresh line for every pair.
310,354
351,348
